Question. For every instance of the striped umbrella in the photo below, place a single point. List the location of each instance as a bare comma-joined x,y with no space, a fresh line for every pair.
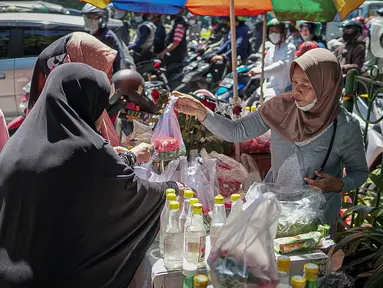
312,10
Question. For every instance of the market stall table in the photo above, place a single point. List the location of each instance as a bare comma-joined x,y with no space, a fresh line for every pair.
160,276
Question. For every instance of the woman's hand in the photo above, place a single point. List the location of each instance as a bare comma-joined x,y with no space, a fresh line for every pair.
181,189
120,149
142,152
162,54
328,183
188,105
254,72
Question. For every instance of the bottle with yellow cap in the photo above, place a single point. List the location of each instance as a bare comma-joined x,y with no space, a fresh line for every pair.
188,220
188,194
246,111
253,109
298,282
170,196
283,271
218,218
235,201
311,275
201,280
196,238
173,239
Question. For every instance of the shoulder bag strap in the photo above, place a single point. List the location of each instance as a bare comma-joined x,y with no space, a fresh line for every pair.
329,148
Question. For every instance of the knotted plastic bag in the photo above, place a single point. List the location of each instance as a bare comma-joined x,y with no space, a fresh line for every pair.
243,255
231,175
167,138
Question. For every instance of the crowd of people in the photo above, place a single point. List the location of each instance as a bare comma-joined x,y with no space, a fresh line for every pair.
74,214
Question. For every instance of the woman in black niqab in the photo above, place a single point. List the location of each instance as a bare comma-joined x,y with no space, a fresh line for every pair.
73,214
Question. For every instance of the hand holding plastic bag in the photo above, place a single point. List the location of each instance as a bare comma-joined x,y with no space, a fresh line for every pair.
167,137
243,255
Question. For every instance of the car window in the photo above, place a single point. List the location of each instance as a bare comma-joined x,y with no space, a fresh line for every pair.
4,39
36,40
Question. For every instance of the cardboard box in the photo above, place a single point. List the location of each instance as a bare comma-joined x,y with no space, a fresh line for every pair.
298,260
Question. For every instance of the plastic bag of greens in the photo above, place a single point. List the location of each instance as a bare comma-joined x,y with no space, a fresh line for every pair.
243,255
300,212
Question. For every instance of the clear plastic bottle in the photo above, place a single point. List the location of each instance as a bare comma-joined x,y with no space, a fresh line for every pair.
188,221
173,239
284,272
188,194
218,218
189,271
165,217
298,282
234,201
196,238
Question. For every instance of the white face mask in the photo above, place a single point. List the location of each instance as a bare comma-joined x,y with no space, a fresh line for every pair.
275,38
306,38
307,107
91,25
119,14
138,19
192,21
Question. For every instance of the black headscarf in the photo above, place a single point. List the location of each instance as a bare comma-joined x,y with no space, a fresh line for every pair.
50,58
73,214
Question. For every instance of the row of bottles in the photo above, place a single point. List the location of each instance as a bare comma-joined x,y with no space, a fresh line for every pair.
309,279
183,235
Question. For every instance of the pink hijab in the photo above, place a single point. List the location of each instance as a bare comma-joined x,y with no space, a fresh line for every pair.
76,47
4,136
285,118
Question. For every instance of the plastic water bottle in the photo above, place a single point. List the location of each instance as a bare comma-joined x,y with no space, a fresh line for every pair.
189,271
283,272
170,196
173,239
188,194
218,218
196,238
235,199
188,221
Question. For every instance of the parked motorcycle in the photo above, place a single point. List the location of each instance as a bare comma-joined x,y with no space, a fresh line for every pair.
152,70
246,84
200,74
